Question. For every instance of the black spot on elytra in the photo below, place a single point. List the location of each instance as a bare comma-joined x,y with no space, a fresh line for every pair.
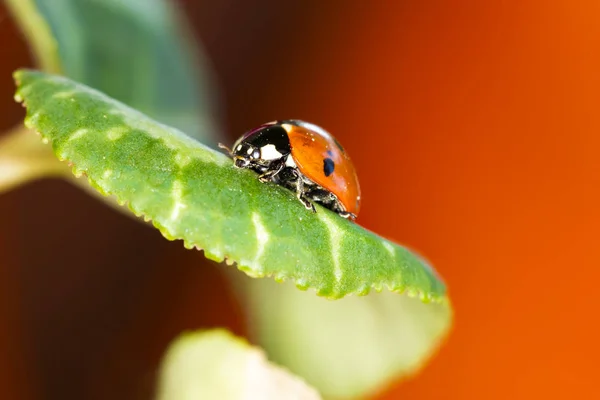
330,153
328,166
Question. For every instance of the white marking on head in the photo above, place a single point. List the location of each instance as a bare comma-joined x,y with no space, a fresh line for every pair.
239,147
249,151
289,162
269,152
288,128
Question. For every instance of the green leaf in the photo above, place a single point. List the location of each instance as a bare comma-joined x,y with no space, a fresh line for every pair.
349,348
193,193
136,51
217,365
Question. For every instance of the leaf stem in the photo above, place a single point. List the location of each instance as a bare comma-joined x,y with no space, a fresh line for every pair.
24,158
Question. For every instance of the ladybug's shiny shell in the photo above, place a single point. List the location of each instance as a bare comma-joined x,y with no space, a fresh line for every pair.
304,158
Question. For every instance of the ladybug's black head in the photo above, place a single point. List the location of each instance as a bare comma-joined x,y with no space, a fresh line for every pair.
260,147
244,154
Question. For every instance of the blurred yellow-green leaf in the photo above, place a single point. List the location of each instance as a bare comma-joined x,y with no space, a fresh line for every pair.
217,365
348,348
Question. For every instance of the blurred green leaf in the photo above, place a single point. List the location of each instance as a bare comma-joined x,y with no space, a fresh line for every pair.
349,348
37,32
217,365
193,193
136,51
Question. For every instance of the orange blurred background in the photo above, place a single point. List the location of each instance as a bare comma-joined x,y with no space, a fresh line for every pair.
474,127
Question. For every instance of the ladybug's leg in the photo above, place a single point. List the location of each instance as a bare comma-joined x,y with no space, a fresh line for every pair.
330,201
273,170
347,214
301,195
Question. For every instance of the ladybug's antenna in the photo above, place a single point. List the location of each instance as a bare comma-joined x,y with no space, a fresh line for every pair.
222,146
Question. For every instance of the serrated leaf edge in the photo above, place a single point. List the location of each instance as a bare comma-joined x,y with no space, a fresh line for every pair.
247,269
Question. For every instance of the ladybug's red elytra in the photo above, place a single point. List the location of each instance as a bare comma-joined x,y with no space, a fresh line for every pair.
304,158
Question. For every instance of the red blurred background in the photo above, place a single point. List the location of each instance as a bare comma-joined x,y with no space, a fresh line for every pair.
474,129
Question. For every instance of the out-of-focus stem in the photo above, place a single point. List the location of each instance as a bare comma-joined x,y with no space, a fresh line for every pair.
24,158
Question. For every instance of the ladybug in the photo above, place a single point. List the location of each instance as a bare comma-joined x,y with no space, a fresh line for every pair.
304,158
